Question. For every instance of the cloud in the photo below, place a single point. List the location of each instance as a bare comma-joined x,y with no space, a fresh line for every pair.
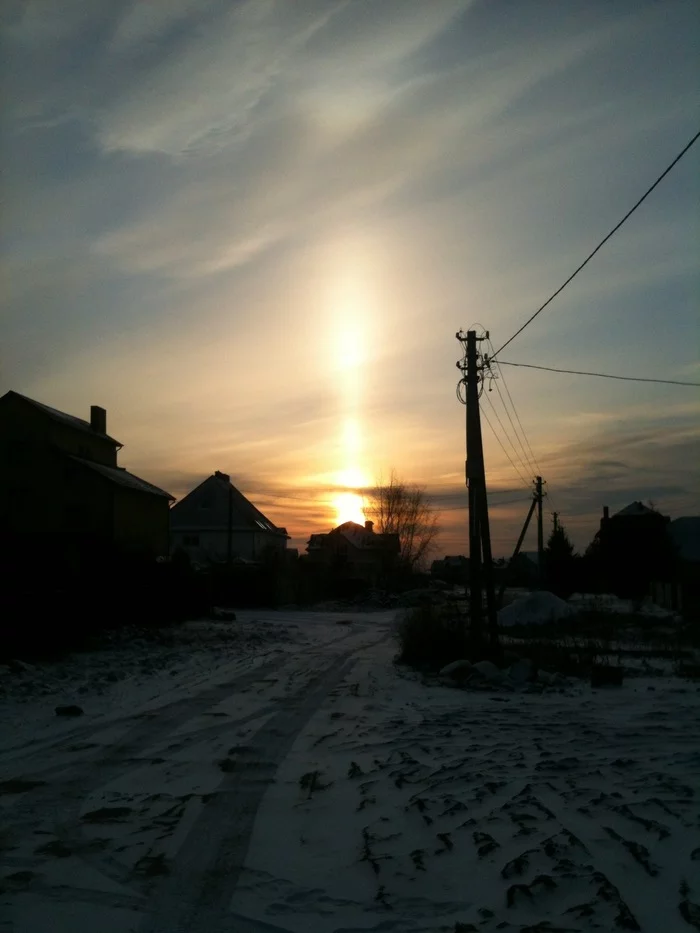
206,202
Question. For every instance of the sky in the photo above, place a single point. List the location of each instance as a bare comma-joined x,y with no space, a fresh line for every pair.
250,230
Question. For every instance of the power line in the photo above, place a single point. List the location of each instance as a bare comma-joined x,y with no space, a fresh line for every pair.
459,490
517,416
528,459
602,243
488,422
581,372
495,505
518,455
531,458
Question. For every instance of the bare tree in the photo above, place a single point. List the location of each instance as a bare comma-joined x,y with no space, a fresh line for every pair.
405,509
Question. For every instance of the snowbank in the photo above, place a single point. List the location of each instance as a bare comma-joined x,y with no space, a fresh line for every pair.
535,609
608,602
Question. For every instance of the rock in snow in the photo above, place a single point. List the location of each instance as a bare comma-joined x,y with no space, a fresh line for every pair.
488,671
457,670
69,711
535,609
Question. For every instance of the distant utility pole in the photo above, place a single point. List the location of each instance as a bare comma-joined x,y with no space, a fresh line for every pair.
480,556
536,503
539,496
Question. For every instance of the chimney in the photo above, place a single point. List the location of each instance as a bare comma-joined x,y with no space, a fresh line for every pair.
369,526
223,476
98,419
606,513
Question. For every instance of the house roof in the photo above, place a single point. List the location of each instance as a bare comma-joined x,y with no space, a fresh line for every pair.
360,537
450,560
635,508
685,534
207,506
532,557
61,416
122,477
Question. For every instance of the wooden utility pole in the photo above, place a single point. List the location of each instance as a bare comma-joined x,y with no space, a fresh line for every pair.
480,556
523,532
540,529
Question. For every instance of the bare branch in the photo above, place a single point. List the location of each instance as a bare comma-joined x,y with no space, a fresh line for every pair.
404,509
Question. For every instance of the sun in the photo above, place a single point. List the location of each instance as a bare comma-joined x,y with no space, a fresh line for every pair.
348,508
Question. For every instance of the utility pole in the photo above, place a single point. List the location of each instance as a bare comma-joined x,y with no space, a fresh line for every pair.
519,544
540,530
480,555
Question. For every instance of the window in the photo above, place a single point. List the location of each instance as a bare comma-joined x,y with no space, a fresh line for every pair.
190,540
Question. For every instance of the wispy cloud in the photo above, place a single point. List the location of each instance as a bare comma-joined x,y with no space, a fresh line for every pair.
206,201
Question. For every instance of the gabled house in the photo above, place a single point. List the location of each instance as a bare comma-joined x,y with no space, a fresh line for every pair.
633,548
355,552
62,489
452,569
216,523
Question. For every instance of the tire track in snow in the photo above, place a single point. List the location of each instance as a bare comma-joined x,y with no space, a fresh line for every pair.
56,804
197,893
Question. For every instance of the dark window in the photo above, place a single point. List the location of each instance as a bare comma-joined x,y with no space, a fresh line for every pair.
190,540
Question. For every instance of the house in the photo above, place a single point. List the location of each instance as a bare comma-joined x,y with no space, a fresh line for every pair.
354,551
61,488
681,590
451,569
215,523
633,548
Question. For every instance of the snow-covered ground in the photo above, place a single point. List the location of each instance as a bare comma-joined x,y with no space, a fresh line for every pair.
297,781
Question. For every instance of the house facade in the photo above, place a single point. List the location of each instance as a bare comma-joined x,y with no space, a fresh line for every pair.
355,552
631,549
216,523
680,590
61,486
451,569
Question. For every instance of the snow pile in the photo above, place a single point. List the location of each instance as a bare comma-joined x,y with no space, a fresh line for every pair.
608,602
535,609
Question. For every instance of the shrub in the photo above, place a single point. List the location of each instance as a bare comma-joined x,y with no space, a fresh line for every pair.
430,636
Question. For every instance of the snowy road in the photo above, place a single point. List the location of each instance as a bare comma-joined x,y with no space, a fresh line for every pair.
308,786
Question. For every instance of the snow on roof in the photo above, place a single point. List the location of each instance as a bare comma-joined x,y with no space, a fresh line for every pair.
685,534
79,423
357,535
122,477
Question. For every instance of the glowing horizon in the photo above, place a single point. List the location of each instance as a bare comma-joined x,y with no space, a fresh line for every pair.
253,233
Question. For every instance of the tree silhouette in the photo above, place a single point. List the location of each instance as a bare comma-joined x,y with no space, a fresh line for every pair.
404,509
560,563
